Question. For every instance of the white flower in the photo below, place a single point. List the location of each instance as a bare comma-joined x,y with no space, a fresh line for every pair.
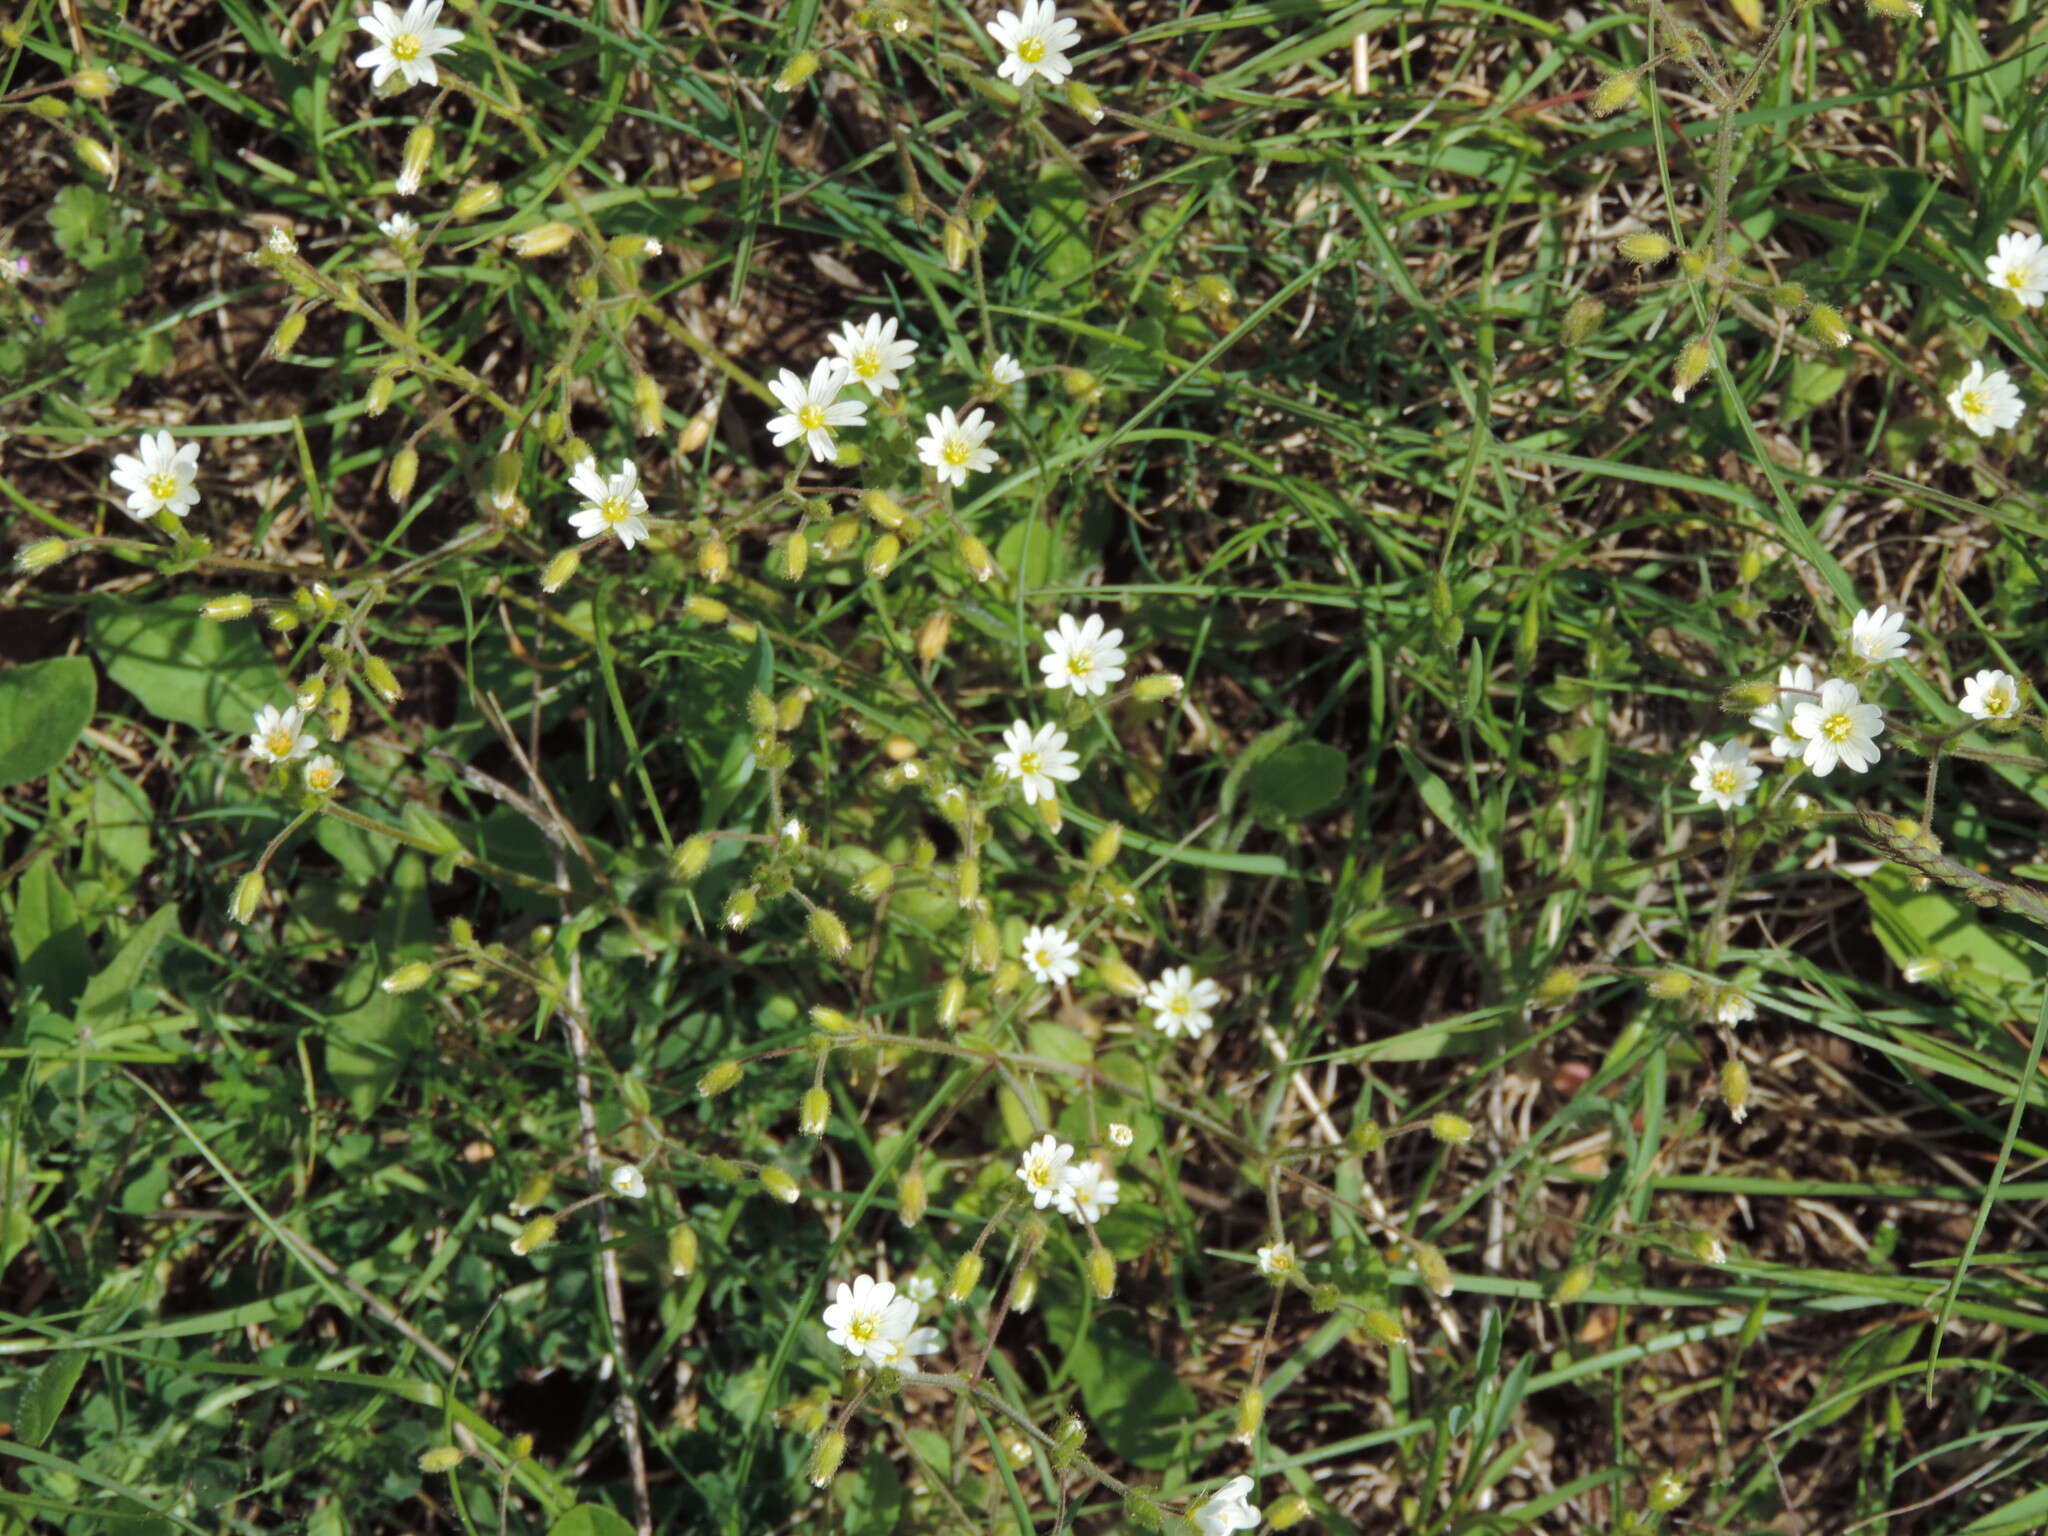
1723,776
1839,728
614,505
792,834
951,446
2020,268
1180,1004
1226,1510
920,1288
870,1321
811,410
1043,1169
626,1181
1084,657
1005,371
323,775
1732,1007
408,183
1773,717
279,736
1035,41
1925,968
158,477
1276,1260
1878,635
874,353
1991,695
1121,1135
406,44
1086,1192
400,229
1985,402
280,241
1050,956
1035,759
903,1352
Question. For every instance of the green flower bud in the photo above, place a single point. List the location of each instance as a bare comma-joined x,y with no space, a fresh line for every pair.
952,998
1644,248
383,682
720,1079
796,72
829,933
1159,686
1290,1511
1115,973
1024,1291
287,334
1452,1130
1084,101
957,243
1365,1136
1614,93
966,1276
826,1456
441,1458
682,1250
248,896
542,239
478,198
816,1111
1251,1413
975,556
1693,364
1828,326
1385,1327
913,1196
883,554
405,469
1582,318
1107,844
832,1021
96,157
779,1184
1558,986
1102,1273
1666,1492
714,559
1671,986
560,569
740,908
1067,1447
706,610
222,609
537,1233
873,883
1735,1089
1142,1510
536,1191
1434,1268
796,555
984,945
1573,1284
408,978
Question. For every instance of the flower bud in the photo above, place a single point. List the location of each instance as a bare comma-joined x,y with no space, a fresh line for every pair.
883,554
1080,383
537,1233
817,1109
1434,1268
698,430
1614,93
419,145
382,680
1072,1436
706,610
1084,101
95,84
1251,1413
248,896
441,1458
1159,686
96,157
932,636
1008,978
542,239
1788,296
44,553
1573,1284
779,1184
984,944
913,1196
1289,1511
1828,326
1102,1273
1706,1247
405,469
1452,1130
714,559
479,197
1365,1136
560,569
719,1079
838,536
1666,1492
740,908
682,1250
1693,364
952,998
1385,1327
646,405
1117,974
1644,248
1142,1510
408,978
832,1021
1735,1089
975,556
222,609
826,1456
287,334
1895,10
1106,845
1558,986
829,933
957,243
966,1276
1582,318
1670,986
797,71
689,859
1324,1297
1024,1291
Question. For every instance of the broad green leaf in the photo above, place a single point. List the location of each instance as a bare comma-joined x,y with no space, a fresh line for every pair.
1134,1400
591,1520
1915,925
50,947
44,707
183,667
1056,234
1298,781
44,1395
122,842
371,1040
106,1000
872,1496
1812,385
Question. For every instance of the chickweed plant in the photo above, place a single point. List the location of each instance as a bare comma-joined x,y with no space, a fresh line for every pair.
928,768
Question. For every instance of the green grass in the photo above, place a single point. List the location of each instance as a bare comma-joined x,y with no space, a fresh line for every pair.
1453,597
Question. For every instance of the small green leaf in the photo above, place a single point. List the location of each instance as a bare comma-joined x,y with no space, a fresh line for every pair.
1298,781
44,1395
106,999
44,708
50,946
591,1520
872,1497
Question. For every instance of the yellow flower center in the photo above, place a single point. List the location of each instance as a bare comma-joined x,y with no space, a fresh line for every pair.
320,779
405,47
1027,765
1723,780
1838,726
867,362
1180,1007
1080,664
614,510
163,485
1031,49
1974,403
955,451
1039,1173
1042,958
279,743
863,1327
2016,278
1997,702
810,417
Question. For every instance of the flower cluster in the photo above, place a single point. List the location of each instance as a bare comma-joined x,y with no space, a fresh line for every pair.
873,1323
1080,1190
